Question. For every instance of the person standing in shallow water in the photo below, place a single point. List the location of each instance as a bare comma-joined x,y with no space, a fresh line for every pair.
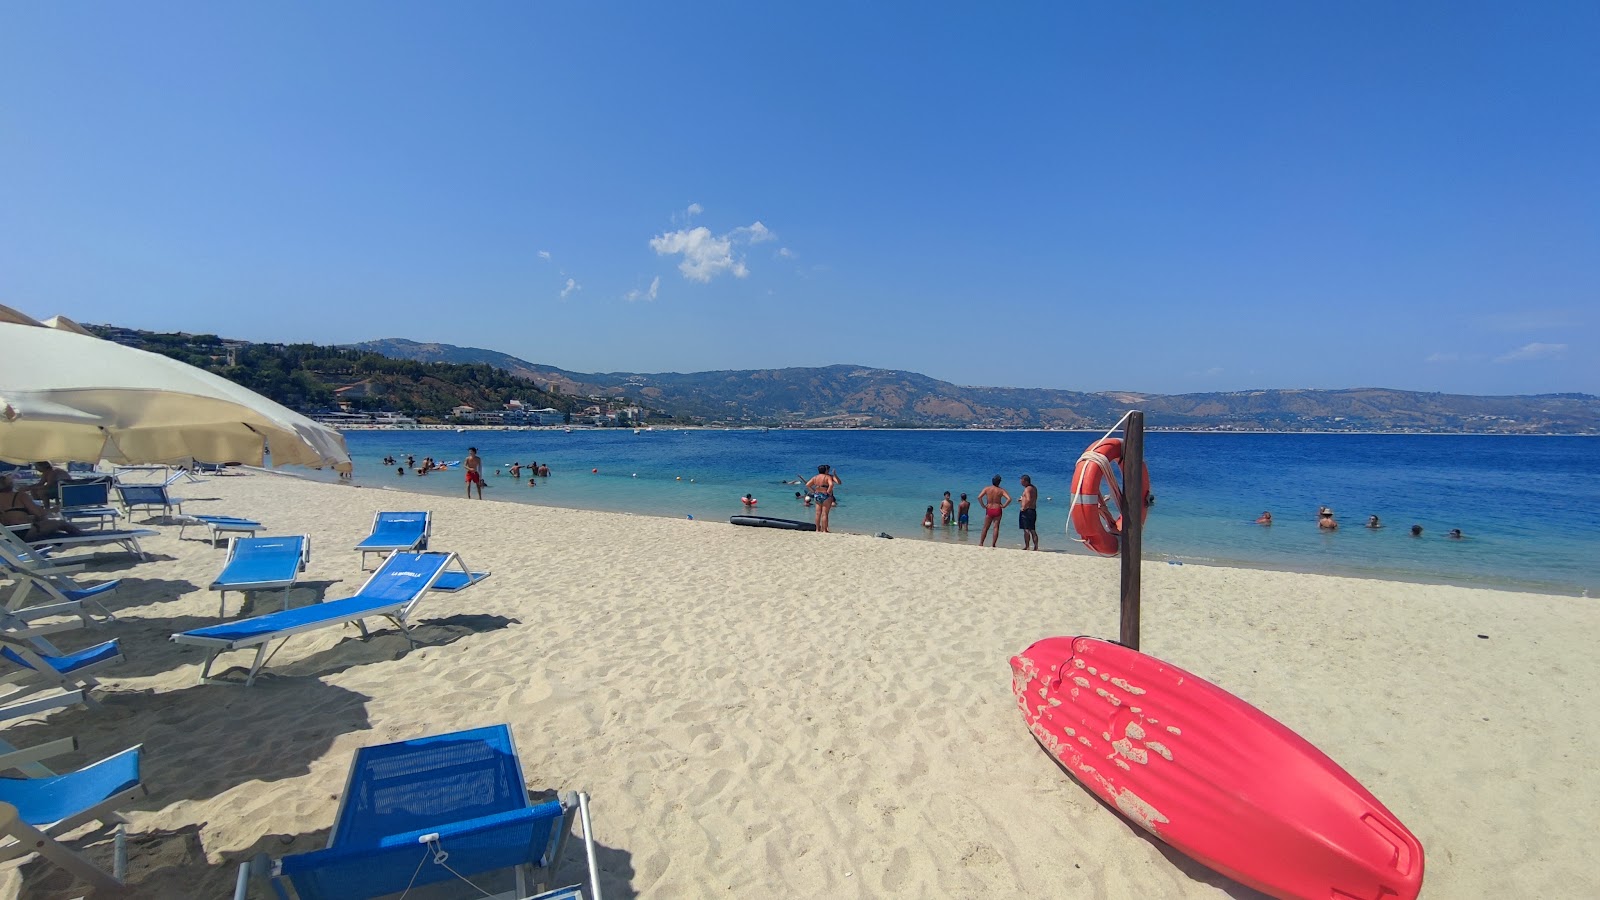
474,466
821,487
1028,514
994,499
946,510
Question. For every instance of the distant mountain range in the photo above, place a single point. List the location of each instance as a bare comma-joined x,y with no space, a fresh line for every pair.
846,395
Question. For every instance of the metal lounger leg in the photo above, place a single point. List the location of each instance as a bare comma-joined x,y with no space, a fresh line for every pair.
261,658
46,846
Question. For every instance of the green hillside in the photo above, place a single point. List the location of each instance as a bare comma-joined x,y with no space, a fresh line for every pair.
309,377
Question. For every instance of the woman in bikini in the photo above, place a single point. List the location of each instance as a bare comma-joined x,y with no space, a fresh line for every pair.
19,508
821,487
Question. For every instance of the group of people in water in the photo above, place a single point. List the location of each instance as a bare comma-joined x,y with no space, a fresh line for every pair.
473,466
994,499
1327,522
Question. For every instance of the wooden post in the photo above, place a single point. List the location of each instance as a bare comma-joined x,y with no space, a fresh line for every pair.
1132,525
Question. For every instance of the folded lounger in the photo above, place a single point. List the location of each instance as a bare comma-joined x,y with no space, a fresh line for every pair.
30,571
262,564
35,811
148,496
440,808
126,538
392,592
217,526
88,501
393,531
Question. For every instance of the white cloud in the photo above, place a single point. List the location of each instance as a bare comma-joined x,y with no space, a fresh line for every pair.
572,285
755,233
1442,357
1533,351
694,209
705,256
544,255
786,253
636,294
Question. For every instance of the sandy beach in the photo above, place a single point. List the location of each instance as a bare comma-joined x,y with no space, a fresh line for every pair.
762,713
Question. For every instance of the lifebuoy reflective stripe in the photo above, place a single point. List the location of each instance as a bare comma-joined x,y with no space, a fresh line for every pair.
1093,478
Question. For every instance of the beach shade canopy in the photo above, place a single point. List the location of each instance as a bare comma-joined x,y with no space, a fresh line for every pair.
62,323
7,314
70,397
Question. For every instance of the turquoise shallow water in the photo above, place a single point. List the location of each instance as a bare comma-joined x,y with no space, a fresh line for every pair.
1528,505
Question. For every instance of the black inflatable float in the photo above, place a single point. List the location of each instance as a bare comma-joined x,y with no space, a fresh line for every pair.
770,522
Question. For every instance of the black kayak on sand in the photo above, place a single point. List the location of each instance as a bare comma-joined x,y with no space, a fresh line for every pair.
770,522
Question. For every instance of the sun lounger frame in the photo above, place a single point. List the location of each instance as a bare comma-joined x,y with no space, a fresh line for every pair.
367,545
396,611
215,525
246,586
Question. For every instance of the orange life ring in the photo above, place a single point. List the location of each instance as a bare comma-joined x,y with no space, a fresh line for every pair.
1090,482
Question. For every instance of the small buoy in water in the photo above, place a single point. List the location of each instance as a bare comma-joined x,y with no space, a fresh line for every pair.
636,474
680,477
1048,499
594,471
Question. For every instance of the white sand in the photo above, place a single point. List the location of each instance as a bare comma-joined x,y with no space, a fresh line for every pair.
762,713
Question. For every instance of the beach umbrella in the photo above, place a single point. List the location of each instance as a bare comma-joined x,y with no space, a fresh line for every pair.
62,323
68,396
7,314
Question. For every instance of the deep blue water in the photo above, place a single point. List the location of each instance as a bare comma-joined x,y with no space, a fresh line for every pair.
1528,505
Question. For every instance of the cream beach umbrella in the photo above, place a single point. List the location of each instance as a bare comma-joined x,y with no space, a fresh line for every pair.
67,396
7,314
62,323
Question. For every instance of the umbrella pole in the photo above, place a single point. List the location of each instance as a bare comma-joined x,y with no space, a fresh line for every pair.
1132,525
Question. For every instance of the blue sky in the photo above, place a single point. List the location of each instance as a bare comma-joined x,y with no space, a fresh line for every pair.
1272,195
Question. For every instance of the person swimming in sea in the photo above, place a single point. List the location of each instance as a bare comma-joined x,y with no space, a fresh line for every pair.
1416,531
1372,522
1266,518
1455,534
1325,519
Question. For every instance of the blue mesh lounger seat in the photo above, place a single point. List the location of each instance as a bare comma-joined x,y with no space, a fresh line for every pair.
217,526
393,531
392,592
36,670
433,809
148,496
262,564
35,811
86,501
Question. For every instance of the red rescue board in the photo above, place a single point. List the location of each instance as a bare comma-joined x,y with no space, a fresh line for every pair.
1211,775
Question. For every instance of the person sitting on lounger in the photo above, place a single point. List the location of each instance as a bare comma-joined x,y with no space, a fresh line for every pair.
19,508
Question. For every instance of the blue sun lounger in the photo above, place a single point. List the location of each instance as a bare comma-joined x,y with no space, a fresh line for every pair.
36,670
49,806
216,526
148,496
86,501
393,531
435,809
262,564
392,592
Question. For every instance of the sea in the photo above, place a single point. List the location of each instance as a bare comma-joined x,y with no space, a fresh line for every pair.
1528,506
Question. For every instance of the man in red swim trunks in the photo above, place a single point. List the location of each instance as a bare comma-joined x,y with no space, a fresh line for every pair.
474,467
994,500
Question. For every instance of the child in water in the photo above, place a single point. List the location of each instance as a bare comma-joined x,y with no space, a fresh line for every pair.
927,520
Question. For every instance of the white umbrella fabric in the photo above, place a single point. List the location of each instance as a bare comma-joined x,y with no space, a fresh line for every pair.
67,396
62,323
